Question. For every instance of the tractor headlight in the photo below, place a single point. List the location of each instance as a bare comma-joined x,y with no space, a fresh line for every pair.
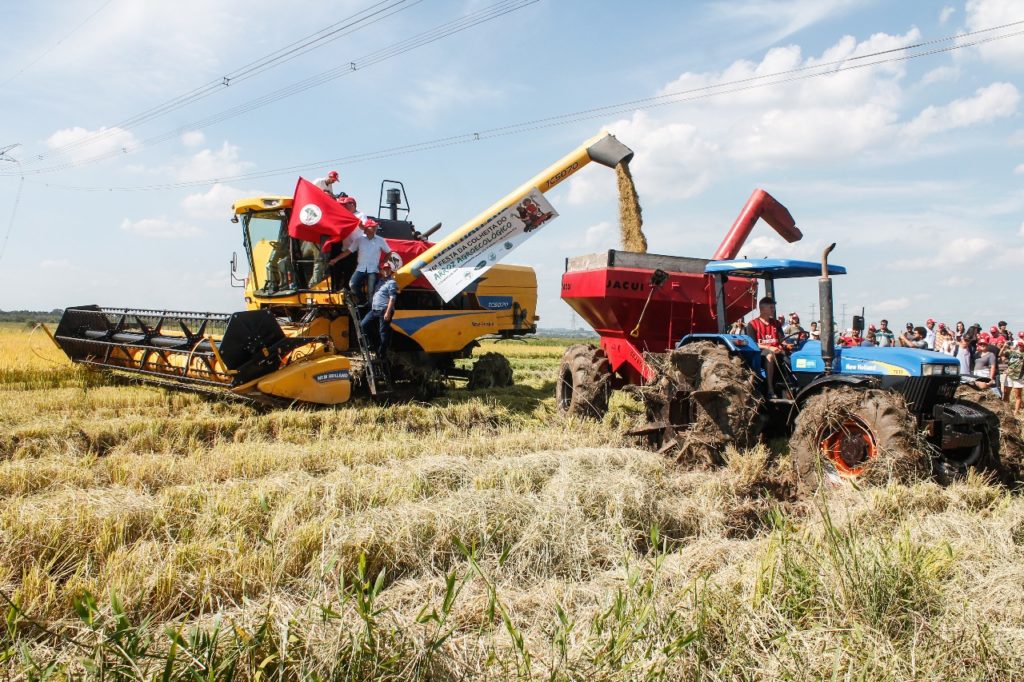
937,369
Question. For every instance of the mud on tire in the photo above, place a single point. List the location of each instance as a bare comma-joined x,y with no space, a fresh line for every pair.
1010,443
846,434
584,382
491,370
727,411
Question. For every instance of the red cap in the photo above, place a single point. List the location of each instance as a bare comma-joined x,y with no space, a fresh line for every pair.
942,325
929,321
370,222
993,329
346,200
871,328
333,175
1020,335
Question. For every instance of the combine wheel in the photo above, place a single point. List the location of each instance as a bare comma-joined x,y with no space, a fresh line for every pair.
845,434
1008,446
701,400
584,382
491,370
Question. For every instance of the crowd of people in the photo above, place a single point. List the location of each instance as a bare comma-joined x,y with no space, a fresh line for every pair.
995,357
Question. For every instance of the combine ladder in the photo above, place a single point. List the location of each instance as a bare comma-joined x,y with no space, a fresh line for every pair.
372,367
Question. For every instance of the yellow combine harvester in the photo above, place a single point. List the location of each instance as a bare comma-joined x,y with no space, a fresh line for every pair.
299,342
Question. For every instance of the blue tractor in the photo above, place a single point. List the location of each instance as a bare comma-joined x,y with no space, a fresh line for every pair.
849,413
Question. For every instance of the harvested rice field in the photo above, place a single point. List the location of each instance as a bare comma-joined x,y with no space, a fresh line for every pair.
152,534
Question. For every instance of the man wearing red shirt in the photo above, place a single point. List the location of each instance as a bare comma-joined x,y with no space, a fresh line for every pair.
766,330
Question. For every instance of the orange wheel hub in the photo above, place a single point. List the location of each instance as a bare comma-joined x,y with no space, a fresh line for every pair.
849,446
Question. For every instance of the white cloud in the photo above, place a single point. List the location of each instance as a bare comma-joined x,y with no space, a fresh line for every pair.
779,18
981,14
159,228
992,102
958,251
212,164
1021,230
946,13
84,144
55,264
600,234
959,281
216,202
193,138
892,305
941,74
432,97
1019,170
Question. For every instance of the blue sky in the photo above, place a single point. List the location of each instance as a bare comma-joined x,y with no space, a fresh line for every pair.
913,167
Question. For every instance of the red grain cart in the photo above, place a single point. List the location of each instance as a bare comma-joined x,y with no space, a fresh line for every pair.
645,303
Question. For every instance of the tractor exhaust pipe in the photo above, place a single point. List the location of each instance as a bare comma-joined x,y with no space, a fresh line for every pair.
828,339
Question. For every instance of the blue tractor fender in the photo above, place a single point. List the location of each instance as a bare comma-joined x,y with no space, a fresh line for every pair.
835,380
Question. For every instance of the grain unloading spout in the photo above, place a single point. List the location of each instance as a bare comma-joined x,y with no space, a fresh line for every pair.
760,205
603,148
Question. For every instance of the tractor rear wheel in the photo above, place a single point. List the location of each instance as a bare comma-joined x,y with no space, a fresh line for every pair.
584,382
701,400
1009,445
842,435
491,370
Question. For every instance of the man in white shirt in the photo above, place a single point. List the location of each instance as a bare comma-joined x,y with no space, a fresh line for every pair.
368,249
325,183
929,336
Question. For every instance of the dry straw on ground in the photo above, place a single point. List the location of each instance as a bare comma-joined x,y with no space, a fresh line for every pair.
478,537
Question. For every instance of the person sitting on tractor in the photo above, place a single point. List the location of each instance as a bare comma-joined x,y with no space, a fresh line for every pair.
766,330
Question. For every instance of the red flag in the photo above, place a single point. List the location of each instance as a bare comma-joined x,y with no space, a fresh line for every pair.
315,214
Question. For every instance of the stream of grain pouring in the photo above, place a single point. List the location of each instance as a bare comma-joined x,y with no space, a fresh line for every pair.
630,218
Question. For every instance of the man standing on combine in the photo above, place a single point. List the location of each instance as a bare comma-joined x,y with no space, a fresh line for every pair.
369,249
767,331
325,183
377,322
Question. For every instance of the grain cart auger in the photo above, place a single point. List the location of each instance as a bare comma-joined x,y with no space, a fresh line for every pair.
243,354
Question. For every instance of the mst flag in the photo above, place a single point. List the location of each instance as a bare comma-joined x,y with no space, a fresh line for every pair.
315,214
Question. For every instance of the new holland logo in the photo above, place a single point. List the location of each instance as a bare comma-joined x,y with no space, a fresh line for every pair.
327,377
310,214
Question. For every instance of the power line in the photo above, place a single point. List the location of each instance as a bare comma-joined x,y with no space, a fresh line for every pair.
350,24
422,39
5,156
694,94
56,44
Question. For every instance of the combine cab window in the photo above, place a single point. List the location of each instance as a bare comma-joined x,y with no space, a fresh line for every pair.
262,231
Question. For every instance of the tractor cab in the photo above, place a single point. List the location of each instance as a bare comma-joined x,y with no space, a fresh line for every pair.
924,376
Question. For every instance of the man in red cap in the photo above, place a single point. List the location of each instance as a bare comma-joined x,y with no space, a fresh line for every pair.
929,336
326,182
369,248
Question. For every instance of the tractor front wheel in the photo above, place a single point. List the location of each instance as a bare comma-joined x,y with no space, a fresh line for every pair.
584,382
845,434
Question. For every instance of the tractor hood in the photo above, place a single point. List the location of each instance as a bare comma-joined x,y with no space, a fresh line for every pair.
872,360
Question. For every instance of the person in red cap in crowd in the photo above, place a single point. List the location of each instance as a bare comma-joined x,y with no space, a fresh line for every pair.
794,325
350,203
986,365
871,339
929,336
1013,385
368,249
944,342
326,182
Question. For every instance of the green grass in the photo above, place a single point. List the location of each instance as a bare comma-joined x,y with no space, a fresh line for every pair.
150,534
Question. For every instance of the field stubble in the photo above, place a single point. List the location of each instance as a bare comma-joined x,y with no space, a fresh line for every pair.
147,533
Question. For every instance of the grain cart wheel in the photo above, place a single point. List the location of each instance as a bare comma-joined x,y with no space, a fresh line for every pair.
491,370
845,434
1008,444
701,400
584,382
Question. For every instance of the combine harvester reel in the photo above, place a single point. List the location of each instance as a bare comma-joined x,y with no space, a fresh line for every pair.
244,354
